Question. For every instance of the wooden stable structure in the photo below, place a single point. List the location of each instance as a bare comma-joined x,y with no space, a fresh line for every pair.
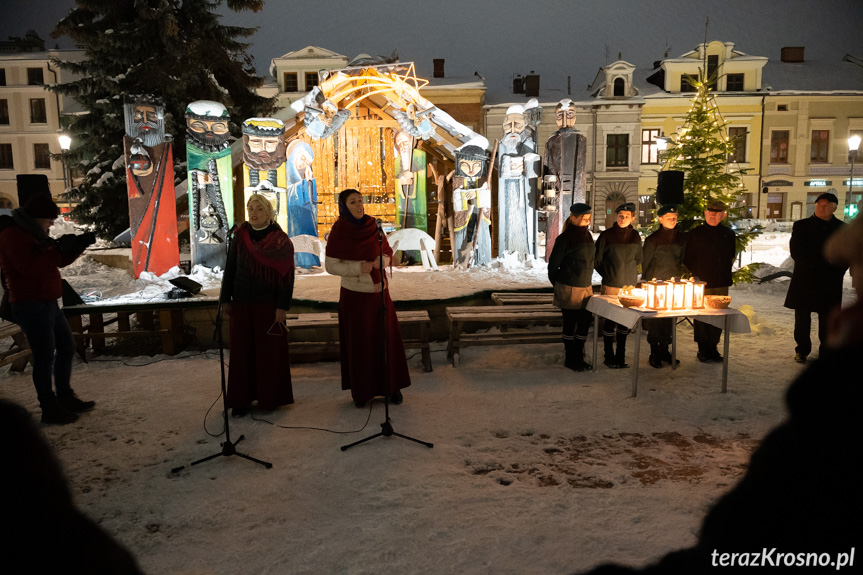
362,153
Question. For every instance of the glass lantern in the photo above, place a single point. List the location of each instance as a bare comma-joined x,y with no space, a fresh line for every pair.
698,294
657,294
678,294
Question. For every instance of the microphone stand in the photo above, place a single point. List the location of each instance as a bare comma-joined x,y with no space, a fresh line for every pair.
228,447
386,426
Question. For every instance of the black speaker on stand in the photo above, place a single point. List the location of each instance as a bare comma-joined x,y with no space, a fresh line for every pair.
31,184
669,187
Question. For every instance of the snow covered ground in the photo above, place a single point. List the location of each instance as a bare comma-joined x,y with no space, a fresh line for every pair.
535,469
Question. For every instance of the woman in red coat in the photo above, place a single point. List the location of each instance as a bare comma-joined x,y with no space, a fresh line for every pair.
257,288
354,251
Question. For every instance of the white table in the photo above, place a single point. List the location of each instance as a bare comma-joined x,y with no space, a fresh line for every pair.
729,320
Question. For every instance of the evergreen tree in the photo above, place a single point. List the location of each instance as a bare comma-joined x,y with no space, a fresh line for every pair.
701,150
178,51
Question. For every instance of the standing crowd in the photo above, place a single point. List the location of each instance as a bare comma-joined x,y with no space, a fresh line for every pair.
707,252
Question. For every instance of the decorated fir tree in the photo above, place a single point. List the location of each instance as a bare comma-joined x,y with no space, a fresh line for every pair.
178,51
702,149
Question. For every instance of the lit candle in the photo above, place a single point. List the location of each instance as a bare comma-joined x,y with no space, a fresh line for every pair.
678,288
688,293
698,300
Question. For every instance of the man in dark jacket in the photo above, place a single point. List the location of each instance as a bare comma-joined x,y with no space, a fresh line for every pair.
816,285
663,256
30,259
618,255
709,252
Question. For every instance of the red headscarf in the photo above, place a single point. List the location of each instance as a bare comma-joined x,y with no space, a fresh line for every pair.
358,242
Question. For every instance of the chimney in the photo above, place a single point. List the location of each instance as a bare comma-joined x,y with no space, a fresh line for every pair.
792,54
438,67
518,84
531,85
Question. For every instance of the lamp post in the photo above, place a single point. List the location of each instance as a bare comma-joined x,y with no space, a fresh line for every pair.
853,146
65,144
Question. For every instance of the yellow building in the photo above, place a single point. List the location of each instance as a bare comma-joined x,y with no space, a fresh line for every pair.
31,115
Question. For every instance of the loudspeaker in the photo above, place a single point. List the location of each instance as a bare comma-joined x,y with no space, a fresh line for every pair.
30,185
669,187
187,285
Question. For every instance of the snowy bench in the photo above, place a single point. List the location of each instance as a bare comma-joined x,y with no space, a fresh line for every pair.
328,323
502,317
509,298
19,352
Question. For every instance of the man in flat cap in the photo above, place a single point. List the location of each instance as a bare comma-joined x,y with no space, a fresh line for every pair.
663,259
708,252
816,285
570,270
618,255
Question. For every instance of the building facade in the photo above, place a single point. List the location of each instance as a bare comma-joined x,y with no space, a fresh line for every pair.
30,114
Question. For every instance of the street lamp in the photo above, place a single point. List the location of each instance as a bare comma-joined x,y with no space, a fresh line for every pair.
65,144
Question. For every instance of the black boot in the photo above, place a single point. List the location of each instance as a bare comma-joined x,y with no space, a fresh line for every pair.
620,356
56,413
578,352
665,355
655,359
569,354
71,402
608,343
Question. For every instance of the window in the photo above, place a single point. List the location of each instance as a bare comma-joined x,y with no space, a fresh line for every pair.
37,111
619,87
2,76
687,83
6,203
734,83
4,112
291,82
617,149
820,143
6,157
779,147
41,157
35,76
649,152
781,107
738,137
712,65
311,80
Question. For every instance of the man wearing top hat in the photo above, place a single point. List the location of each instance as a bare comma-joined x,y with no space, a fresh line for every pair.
708,252
816,285
618,255
663,259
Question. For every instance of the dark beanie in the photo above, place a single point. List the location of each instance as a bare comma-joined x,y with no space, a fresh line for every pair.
41,206
579,209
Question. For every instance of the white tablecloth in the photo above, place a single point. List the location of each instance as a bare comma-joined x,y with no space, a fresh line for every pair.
607,306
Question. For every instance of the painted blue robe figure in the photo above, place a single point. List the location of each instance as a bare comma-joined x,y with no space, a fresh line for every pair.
211,196
472,205
518,170
302,200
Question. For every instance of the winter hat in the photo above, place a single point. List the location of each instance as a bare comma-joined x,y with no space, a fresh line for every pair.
579,209
829,197
667,209
627,207
41,206
716,206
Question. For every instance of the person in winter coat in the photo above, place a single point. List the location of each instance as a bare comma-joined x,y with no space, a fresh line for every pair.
618,255
570,268
816,285
709,252
354,253
257,288
30,260
663,258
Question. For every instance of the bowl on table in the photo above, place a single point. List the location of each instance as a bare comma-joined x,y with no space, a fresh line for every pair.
633,298
717,301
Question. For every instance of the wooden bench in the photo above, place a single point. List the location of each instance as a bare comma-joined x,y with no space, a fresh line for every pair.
503,317
170,313
329,323
508,298
19,353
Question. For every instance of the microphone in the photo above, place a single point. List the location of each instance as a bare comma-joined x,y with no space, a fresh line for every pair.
380,223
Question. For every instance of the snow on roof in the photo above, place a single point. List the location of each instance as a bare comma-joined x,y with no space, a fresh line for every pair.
839,76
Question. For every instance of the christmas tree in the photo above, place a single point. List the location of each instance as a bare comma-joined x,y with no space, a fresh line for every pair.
701,149
178,51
